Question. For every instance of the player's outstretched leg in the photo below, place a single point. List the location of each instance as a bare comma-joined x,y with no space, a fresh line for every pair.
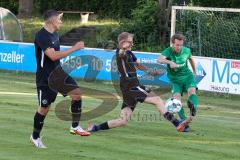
158,102
123,119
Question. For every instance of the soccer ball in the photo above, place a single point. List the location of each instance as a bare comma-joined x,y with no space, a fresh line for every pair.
173,105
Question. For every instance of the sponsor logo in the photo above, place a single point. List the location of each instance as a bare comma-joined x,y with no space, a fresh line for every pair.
200,72
217,88
12,57
235,64
225,72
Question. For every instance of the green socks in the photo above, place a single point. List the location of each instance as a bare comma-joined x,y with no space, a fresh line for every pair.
194,99
181,114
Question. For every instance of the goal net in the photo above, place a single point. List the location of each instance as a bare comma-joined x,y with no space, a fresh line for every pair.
211,32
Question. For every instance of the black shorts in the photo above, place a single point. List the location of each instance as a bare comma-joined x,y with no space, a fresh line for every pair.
59,81
46,96
134,95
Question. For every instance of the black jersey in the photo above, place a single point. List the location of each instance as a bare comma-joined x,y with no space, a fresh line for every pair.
44,40
127,70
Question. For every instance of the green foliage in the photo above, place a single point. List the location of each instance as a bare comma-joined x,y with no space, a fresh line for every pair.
12,5
144,26
217,3
106,8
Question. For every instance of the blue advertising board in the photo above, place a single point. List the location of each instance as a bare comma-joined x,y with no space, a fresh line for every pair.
21,57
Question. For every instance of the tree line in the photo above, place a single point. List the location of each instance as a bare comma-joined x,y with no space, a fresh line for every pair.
107,8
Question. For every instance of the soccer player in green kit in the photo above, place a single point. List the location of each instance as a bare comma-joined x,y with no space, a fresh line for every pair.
181,77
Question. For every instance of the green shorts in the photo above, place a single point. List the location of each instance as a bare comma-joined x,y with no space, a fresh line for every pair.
183,86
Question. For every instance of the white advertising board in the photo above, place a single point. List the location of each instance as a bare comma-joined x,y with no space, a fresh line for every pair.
218,75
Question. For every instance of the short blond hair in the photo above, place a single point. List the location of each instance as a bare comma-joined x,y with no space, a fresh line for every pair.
124,35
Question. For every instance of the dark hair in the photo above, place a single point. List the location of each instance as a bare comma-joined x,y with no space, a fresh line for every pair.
50,13
177,36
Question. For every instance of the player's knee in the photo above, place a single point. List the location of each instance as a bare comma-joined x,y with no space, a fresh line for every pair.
76,96
177,96
43,110
123,120
191,91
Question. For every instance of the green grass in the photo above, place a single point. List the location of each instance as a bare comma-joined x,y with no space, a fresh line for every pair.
214,136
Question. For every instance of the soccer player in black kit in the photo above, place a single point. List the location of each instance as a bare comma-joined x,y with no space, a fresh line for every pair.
132,91
51,78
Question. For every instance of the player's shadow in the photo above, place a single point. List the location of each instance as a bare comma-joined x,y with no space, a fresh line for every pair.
109,102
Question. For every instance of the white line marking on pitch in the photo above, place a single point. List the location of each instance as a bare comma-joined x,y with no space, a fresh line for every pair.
35,94
18,93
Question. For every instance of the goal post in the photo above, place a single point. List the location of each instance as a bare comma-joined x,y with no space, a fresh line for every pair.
212,32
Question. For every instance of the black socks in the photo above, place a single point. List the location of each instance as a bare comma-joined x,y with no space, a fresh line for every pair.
76,109
38,124
169,116
103,126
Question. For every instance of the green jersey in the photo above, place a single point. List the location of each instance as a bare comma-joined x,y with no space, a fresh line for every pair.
182,72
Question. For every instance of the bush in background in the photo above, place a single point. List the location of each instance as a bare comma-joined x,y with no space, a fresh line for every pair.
107,8
144,25
12,5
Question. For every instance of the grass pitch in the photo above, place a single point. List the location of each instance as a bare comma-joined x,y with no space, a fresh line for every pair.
214,135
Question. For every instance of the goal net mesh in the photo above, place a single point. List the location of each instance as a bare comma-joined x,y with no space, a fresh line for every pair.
210,33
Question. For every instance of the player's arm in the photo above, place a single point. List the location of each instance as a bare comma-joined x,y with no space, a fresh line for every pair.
163,60
140,66
56,55
193,64
137,63
146,69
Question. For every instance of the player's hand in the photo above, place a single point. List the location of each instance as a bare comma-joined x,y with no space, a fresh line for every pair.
122,53
79,45
173,65
153,72
156,73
